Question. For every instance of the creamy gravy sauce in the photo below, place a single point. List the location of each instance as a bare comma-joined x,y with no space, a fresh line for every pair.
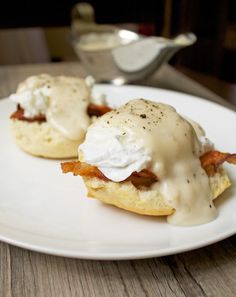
68,99
106,40
174,148
102,41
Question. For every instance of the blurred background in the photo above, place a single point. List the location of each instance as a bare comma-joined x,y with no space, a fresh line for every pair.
39,32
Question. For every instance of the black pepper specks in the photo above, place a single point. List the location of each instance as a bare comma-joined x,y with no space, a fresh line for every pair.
188,181
210,206
150,113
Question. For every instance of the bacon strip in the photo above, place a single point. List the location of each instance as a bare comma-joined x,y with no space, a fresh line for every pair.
97,110
142,178
19,115
93,110
212,160
83,169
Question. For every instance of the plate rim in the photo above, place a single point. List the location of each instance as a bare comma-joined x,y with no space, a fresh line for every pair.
134,255
116,256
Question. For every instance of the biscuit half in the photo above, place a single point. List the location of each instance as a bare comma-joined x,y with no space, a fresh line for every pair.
42,140
147,202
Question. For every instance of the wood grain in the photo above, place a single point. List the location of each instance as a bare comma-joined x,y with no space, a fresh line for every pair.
210,271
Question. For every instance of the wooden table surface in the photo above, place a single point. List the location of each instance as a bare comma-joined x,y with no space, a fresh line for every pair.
209,271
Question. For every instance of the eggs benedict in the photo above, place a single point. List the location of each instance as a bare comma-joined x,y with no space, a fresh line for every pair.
146,158
53,114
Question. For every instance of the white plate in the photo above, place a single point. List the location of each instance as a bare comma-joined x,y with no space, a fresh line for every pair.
44,210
